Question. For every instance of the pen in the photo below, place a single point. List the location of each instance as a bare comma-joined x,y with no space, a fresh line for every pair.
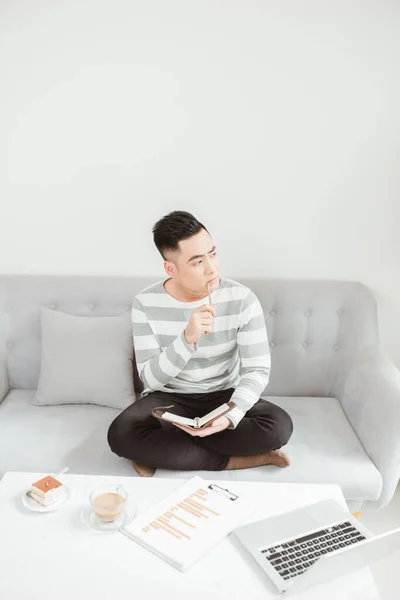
209,301
209,294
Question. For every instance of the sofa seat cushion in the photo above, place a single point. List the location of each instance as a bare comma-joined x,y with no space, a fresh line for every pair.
322,449
48,438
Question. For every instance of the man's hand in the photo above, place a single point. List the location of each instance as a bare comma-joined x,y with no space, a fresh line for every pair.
200,322
215,427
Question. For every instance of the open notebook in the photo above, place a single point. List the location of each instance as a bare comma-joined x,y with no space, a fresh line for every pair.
186,524
160,412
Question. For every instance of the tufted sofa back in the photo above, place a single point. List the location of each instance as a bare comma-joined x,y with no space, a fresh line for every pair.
313,326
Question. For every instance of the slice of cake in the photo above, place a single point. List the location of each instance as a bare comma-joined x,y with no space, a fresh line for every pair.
46,490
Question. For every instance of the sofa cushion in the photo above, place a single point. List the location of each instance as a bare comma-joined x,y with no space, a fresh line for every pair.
49,438
323,447
85,360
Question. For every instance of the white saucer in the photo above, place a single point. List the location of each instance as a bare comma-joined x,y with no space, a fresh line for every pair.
30,503
92,521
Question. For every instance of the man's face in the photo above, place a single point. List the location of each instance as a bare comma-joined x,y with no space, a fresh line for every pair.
195,264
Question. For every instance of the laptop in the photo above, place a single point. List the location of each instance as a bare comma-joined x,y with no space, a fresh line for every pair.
313,544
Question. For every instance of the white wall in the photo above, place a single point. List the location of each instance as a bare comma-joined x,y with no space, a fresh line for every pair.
277,125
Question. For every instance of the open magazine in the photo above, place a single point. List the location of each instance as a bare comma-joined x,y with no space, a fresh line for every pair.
161,412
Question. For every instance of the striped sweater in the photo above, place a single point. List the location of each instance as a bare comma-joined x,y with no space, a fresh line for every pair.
234,355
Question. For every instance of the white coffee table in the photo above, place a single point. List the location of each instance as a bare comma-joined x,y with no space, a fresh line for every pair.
56,555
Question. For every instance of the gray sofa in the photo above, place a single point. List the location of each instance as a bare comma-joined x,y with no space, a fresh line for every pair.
328,372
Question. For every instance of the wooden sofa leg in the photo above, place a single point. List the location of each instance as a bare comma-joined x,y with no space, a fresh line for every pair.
357,515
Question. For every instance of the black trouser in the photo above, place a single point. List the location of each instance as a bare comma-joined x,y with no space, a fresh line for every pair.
137,435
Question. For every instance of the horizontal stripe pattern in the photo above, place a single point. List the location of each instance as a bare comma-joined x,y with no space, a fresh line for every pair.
235,353
211,339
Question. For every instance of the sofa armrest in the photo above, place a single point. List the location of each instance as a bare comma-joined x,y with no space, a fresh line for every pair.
3,377
368,388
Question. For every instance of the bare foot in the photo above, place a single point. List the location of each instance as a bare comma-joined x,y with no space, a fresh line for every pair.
143,470
277,458
274,457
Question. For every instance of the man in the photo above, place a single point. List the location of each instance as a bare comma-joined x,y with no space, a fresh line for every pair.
198,356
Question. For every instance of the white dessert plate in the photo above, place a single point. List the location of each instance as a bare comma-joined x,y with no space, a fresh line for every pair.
30,503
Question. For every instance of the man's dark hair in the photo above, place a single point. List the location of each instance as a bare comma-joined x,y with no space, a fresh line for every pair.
174,227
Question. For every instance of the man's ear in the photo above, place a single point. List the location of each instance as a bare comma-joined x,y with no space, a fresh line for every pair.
170,268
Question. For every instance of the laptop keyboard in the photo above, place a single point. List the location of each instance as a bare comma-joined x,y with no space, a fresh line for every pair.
293,557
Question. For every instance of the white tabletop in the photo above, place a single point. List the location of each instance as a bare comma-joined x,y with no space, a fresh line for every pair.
57,554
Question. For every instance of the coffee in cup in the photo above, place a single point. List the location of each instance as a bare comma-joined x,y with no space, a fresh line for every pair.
108,501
